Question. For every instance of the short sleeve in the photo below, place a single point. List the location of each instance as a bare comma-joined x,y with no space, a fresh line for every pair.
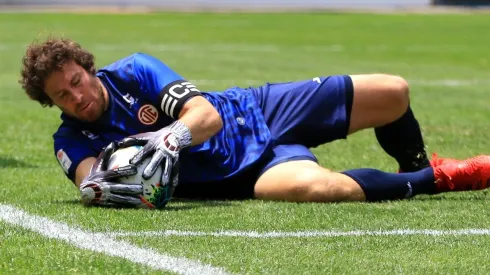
152,74
70,148
161,84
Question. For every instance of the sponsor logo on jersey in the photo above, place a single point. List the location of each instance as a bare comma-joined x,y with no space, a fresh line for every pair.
148,114
240,120
64,160
90,135
130,100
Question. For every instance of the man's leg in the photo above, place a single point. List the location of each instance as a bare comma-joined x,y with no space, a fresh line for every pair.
315,112
382,102
293,174
306,181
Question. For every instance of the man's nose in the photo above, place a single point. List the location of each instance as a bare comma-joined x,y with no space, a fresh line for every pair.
77,96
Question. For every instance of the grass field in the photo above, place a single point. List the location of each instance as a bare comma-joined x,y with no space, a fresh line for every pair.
446,59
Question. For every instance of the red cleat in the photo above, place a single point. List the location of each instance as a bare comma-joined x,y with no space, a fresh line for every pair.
436,160
463,175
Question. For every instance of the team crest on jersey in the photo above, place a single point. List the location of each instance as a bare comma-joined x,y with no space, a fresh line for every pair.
148,114
64,160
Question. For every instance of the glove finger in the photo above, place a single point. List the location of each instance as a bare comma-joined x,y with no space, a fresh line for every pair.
175,173
153,165
102,160
132,141
106,155
127,189
142,154
122,200
114,174
167,172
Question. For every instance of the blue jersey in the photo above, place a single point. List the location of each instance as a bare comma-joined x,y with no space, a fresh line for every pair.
134,85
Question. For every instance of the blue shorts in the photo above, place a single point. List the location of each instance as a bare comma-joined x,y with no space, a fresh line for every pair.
300,115
305,114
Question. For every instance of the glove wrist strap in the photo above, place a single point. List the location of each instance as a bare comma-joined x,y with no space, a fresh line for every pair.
182,133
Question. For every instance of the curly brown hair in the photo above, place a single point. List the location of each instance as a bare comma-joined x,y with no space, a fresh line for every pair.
41,59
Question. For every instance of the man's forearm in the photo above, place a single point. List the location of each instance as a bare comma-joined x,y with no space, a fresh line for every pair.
203,121
83,169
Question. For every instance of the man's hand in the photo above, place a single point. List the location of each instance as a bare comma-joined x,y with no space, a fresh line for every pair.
163,146
100,187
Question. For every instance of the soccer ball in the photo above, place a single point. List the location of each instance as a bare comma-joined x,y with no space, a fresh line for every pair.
154,195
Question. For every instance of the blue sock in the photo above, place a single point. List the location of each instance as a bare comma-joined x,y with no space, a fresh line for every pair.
379,186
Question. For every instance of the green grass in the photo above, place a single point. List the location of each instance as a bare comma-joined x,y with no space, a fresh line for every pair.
24,252
222,50
342,255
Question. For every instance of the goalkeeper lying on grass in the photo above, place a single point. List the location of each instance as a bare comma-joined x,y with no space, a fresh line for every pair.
239,143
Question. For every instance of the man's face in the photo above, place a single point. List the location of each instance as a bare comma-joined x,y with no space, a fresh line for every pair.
76,92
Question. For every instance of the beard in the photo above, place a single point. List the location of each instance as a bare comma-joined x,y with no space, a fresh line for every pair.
101,93
97,98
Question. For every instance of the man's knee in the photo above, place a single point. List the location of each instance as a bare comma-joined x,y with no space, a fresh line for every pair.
325,186
379,99
399,89
306,181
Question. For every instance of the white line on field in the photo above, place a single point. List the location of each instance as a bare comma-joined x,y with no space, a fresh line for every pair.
103,243
305,234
